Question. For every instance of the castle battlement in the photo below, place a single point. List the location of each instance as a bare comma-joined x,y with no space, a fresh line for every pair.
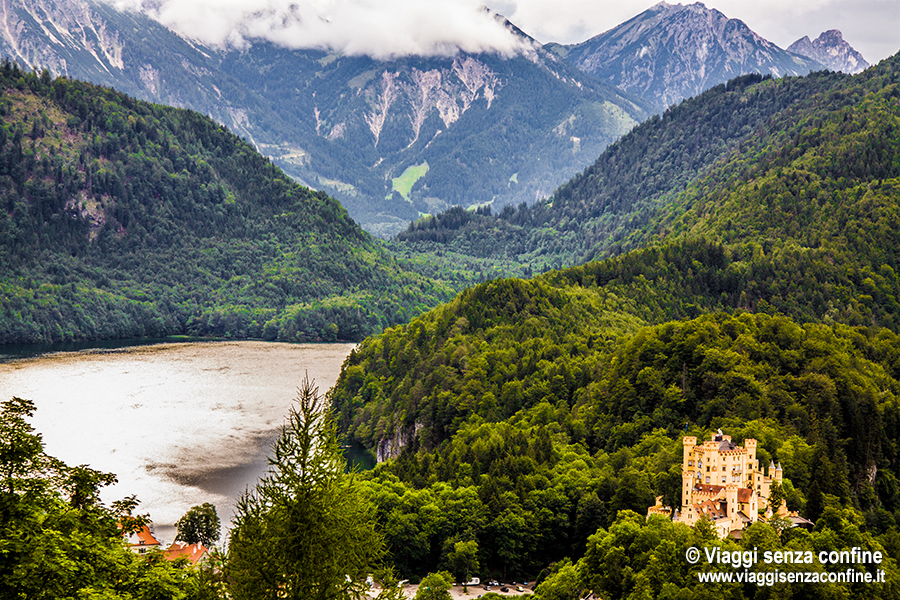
723,481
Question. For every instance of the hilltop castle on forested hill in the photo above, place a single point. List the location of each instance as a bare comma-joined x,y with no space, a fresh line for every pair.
724,482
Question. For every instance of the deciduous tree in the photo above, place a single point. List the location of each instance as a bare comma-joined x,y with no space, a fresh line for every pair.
199,524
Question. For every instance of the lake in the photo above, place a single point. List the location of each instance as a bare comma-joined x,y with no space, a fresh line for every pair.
179,423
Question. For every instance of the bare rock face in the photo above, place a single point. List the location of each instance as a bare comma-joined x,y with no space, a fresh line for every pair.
831,50
470,128
126,50
52,34
673,51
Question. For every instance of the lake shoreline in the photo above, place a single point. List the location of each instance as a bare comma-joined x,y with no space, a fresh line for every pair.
10,352
179,423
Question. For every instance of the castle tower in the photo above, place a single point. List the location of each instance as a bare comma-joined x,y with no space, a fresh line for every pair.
688,442
687,471
779,473
750,445
731,499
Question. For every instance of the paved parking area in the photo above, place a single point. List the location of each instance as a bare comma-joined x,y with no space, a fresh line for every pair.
474,591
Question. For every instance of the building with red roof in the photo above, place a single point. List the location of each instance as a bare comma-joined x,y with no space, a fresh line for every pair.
142,541
194,553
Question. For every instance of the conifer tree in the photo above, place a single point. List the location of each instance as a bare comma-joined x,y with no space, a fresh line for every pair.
305,531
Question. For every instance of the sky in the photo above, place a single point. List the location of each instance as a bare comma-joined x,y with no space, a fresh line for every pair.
871,26
388,28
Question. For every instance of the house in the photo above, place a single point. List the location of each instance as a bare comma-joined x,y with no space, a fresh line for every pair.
723,481
142,541
194,553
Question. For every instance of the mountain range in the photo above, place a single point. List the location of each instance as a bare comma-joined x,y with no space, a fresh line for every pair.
395,139
734,265
800,218
673,51
759,299
390,139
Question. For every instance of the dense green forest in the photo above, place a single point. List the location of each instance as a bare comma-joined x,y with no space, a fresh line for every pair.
764,302
524,426
607,209
126,219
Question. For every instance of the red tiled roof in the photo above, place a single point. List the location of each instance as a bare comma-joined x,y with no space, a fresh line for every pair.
711,508
142,538
709,488
193,552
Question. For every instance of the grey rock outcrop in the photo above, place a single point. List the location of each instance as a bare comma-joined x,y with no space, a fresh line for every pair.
832,51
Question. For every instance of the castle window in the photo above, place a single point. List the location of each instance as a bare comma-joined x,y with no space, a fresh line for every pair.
723,479
707,480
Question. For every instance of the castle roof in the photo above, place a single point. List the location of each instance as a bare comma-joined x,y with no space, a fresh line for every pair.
743,494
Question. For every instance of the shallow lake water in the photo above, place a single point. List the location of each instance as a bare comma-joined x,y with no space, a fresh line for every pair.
179,423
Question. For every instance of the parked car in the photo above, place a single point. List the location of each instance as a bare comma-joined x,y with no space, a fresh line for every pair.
504,589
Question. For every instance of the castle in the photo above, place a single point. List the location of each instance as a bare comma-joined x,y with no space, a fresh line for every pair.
724,482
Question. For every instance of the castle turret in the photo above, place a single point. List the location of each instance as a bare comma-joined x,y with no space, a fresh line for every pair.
688,443
750,445
731,499
687,488
779,473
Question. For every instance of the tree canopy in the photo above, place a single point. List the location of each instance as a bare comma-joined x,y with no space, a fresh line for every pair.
199,524
57,540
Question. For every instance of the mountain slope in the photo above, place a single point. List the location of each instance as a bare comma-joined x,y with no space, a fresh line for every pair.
673,51
598,212
481,128
474,128
122,219
126,50
557,404
804,220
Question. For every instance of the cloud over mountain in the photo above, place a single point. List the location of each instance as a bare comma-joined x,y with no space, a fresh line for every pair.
382,29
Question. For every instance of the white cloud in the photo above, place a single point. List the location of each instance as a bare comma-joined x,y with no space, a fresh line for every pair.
379,28
870,26
389,28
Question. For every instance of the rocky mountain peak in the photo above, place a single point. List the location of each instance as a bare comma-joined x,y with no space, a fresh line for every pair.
831,50
675,51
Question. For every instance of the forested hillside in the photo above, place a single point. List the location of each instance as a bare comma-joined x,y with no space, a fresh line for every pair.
476,127
765,304
123,219
598,213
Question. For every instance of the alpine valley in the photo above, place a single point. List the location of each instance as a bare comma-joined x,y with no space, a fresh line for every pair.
759,299
726,267
390,139
394,138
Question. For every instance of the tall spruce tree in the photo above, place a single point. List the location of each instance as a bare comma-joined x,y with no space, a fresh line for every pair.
305,531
